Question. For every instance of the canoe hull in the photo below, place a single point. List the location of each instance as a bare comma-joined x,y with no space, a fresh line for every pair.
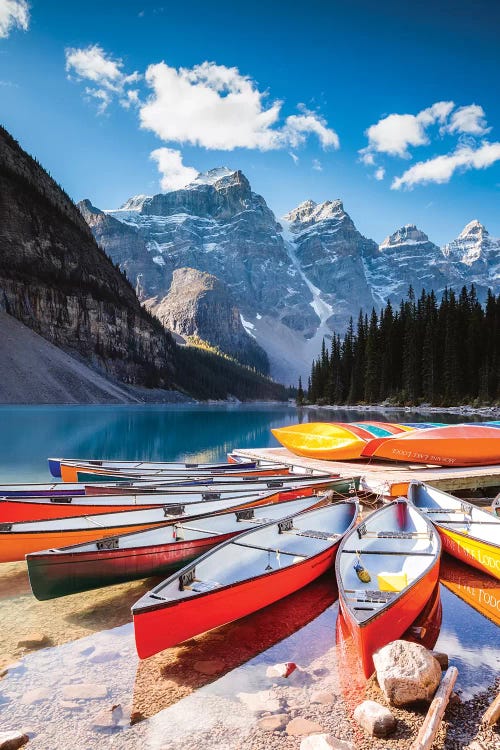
479,555
163,627
392,621
72,472
456,445
69,573
15,511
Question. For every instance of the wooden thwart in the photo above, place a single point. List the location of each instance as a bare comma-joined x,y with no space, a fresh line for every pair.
429,728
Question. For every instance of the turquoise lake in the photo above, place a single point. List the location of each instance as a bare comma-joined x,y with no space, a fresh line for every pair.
90,636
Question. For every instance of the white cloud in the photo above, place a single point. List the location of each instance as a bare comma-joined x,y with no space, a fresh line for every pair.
93,64
218,108
14,14
395,133
316,164
441,168
470,119
175,174
294,157
380,173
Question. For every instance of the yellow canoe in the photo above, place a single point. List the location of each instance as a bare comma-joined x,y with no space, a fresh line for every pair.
323,440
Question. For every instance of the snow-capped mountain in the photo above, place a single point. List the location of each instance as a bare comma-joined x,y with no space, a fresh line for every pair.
407,257
293,282
476,256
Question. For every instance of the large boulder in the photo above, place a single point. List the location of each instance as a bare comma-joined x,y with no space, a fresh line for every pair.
406,672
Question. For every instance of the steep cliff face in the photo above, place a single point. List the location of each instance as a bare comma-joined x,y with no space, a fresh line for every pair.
200,305
219,226
330,252
56,280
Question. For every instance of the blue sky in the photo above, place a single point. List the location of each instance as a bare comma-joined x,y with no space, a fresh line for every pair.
391,106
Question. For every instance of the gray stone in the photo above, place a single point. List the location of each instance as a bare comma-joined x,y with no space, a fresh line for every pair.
322,697
441,658
34,640
84,691
12,740
273,723
406,672
298,727
37,695
375,719
325,742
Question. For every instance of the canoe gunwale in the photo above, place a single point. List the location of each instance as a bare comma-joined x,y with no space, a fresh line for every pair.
167,603
400,594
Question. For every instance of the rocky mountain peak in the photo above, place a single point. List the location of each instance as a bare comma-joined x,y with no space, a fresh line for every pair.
407,235
135,203
87,209
213,176
474,243
309,212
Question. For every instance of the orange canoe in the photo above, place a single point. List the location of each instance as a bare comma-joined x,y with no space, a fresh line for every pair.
453,445
19,539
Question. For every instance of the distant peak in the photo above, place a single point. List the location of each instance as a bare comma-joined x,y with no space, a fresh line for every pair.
409,234
311,211
213,176
135,203
86,205
474,227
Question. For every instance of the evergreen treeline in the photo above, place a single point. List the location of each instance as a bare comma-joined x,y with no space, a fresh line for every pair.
444,354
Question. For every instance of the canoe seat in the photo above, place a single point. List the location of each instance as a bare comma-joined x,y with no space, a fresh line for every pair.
201,586
398,534
318,534
372,596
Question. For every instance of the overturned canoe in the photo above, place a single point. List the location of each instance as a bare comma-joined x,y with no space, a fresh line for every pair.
468,533
140,554
81,472
451,445
387,569
335,441
233,463
17,509
19,539
241,576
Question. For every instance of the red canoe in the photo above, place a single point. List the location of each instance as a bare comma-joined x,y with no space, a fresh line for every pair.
399,548
15,510
241,576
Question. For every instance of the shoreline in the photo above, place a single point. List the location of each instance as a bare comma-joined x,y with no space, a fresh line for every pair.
490,411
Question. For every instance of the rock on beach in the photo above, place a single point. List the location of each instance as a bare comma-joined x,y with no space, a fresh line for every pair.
12,740
375,719
406,672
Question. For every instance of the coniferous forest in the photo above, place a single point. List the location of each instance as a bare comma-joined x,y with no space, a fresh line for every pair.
441,353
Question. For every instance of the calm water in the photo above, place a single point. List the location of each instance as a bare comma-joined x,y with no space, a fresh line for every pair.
91,637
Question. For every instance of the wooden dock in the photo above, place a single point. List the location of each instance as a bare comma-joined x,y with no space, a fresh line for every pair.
383,478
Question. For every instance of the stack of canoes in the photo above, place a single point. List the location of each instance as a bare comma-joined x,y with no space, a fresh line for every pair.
233,540
426,443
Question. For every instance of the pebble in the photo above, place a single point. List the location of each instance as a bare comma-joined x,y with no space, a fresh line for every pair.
264,700
37,695
441,658
325,742
84,691
12,740
209,667
34,640
273,723
298,727
375,719
323,698
108,718
102,657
